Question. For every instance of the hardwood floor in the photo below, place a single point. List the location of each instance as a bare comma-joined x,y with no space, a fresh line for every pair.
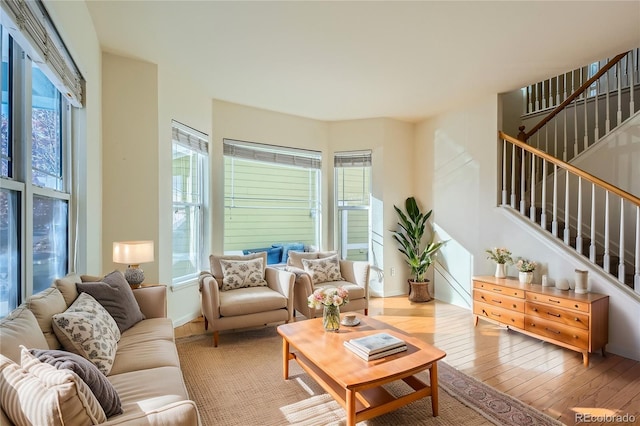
545,376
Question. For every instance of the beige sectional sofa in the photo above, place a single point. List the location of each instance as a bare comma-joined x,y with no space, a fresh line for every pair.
145,372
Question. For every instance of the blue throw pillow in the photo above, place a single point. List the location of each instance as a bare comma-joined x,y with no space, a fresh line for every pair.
286,247
274,254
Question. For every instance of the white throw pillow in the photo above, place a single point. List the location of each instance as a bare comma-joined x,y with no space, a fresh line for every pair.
323,270
242,273
87,329
40,394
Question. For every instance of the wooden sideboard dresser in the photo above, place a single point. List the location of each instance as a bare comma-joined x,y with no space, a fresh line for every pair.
579,322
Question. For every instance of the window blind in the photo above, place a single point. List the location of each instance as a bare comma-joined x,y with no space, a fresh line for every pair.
352,159
273,154
191,138
29,23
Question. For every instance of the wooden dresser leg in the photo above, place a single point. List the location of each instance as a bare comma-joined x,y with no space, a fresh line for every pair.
206,324
215,338
585,358
475,322
366,311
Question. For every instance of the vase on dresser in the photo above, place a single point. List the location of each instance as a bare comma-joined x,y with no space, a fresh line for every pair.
525,277
501,270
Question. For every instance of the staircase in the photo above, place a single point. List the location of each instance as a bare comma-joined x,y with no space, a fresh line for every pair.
541,182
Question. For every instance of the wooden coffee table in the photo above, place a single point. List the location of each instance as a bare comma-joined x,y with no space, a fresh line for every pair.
354,383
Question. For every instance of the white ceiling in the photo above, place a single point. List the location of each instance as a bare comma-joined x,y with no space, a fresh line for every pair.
339,60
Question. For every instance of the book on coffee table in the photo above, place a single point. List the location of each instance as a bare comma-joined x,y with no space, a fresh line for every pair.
379,342
369,357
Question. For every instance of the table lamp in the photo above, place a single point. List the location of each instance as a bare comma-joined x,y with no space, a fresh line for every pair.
133,253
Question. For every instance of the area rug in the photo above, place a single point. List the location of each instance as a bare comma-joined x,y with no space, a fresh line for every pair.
240,383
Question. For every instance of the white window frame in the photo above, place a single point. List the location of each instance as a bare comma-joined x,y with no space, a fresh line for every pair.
343,160
197,142
21,175
285,157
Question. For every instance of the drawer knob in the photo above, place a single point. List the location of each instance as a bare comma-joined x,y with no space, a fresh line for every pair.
576,306
514,306
578,319
535,309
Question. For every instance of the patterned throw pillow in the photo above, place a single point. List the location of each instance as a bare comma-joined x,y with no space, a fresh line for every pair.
324,269
40,394
242,273
87,329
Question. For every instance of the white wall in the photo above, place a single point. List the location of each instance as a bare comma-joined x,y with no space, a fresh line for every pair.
458,152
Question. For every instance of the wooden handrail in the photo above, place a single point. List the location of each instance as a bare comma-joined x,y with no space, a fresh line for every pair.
575,94
587,176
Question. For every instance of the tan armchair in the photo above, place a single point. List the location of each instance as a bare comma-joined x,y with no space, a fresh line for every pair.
356,281
245,307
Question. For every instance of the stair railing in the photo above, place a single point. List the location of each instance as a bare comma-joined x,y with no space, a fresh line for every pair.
599,210
579,116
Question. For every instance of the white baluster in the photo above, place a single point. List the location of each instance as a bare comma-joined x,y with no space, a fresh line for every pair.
586,128
544,96
564,87
554,222
636,276
513,176
632,107
579,218
537,102
504,172
550,84
621,248
558,90
522,183
606,257
543,211
596,137
555,136
564,154
607,121
530,107
575,128
619,114
592,247
532,208
567,231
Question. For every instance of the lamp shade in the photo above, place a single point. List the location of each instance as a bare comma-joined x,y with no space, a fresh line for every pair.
133,252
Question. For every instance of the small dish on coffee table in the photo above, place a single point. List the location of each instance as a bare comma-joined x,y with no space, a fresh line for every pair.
347,323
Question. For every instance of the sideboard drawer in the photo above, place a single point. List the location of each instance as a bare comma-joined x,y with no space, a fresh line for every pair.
499,300
577,337
493,288
558,301
556,314
503,316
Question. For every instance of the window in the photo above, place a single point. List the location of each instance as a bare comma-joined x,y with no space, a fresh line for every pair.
35,181
353,195
190,176
271,195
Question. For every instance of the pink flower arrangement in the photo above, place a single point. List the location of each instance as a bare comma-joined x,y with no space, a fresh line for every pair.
334,296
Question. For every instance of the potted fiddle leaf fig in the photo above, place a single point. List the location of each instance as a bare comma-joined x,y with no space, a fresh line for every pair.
412,225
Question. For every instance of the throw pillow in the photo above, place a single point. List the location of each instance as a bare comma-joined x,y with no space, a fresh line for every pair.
216,268
38,394
87,329
242,273
274,254
116,296
295,258
101,388
286,247
323,270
